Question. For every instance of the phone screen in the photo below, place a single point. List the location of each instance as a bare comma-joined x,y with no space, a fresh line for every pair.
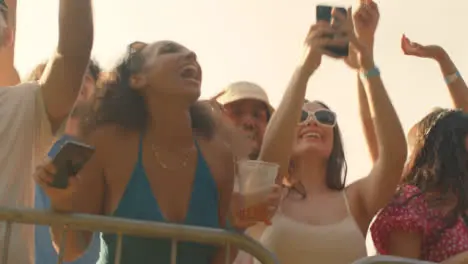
69,156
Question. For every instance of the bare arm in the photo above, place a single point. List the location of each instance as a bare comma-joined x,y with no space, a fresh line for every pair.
379,186
404,244
458,89
63,75
280,133
367,121
8,74
88,199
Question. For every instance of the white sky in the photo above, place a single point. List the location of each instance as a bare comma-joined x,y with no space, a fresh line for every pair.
260,41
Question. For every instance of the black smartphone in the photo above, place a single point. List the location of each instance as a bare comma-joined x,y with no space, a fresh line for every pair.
324,13
68,156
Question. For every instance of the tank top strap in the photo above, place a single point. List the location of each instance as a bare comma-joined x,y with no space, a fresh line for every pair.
345,197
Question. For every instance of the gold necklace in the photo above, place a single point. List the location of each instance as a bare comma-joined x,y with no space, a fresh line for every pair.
164,165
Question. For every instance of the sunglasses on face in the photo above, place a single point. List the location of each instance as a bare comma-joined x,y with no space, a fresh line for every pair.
323,117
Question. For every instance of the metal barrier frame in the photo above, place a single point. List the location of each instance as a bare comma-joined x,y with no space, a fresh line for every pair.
121,226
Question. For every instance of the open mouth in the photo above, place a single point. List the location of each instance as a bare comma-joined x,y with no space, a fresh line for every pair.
190,72
313,135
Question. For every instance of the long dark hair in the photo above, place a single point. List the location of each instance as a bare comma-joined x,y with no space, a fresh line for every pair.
337,168
438,165
118,104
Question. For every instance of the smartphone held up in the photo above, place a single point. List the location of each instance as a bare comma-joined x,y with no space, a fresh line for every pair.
68,156
324,13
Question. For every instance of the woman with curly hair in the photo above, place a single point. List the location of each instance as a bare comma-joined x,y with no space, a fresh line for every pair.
427,219
159,157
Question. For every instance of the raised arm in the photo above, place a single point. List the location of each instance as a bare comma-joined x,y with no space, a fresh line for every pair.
376,190
366,19
8,74
367,121
279,135
455,83
62,78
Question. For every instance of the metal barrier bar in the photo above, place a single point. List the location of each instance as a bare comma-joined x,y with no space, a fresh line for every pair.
6,241
122,226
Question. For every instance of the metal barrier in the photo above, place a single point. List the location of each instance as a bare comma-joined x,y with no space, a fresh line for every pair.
121,227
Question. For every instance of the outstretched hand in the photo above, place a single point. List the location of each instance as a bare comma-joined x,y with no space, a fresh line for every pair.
316,43
423,51
365,18
363,57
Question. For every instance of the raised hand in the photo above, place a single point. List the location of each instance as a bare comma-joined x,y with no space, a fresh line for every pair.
362,52
318,38
423,51
245,216
366,18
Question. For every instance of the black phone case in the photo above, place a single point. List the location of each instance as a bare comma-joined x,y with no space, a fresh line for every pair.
323,13
69,161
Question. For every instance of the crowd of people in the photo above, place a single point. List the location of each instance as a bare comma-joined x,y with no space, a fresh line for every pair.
153,137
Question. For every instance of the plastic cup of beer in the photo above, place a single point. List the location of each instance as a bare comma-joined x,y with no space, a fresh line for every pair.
255,180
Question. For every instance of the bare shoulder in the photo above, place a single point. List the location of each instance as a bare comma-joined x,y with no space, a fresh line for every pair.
219,157
105,134
105,138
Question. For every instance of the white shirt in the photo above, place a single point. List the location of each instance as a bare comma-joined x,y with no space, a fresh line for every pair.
25,136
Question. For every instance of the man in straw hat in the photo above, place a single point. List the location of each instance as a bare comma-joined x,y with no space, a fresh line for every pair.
246,104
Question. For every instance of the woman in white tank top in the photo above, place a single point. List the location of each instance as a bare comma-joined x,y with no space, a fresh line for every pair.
318,219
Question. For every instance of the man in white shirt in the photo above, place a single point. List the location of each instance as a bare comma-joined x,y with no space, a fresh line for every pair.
8,74
30,114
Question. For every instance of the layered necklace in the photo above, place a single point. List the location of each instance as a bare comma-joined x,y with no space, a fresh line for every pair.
183,162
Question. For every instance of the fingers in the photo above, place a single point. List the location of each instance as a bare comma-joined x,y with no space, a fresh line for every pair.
373,6
411,48
320,30
367,12
364,14
44,174
338,14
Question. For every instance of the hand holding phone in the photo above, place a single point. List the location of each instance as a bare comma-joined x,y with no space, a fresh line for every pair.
324,13
68,156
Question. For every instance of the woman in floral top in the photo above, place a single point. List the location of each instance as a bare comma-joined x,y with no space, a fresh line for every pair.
427,218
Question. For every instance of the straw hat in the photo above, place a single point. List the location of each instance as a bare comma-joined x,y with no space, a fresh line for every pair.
244,90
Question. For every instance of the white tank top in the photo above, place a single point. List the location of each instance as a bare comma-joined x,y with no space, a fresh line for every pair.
295,242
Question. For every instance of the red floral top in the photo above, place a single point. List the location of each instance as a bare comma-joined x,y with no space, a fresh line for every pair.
415,216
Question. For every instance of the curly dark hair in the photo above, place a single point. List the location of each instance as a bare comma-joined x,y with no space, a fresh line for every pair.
117,103
337,168
438,165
